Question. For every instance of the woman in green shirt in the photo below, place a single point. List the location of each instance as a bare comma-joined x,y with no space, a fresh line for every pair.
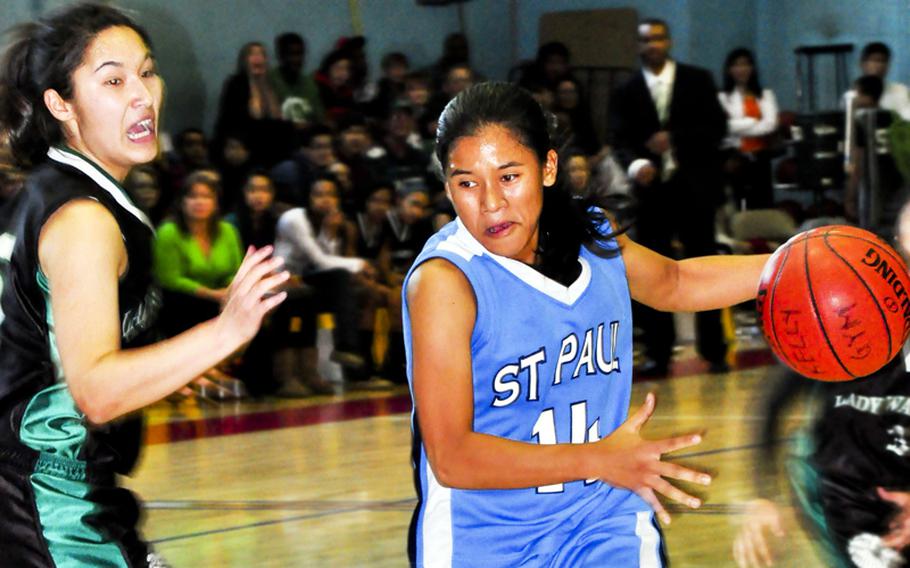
196,256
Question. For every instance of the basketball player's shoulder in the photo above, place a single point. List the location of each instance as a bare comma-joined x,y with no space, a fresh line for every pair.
438,278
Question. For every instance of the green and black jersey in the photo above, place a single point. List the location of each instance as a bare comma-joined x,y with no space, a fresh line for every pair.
53,462
858,441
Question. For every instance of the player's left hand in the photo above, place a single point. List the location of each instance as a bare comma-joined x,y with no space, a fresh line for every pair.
898,536
752,548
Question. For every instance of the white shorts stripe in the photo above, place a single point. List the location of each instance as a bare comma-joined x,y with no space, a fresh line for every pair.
649,550
437,524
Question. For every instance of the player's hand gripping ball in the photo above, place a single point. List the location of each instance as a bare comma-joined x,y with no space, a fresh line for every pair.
834,303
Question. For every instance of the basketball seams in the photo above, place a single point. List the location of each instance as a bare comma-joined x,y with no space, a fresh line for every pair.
843,243
868,289
814,305
772,292
880,243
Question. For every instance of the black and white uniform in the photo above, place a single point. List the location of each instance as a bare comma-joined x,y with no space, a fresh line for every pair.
59,502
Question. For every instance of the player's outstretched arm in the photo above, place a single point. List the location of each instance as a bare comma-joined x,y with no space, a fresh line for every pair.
82,254
691,285
442,313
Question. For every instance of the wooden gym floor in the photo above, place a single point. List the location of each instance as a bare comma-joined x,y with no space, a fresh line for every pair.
327,481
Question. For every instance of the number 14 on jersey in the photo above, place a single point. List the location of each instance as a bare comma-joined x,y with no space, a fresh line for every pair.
545,432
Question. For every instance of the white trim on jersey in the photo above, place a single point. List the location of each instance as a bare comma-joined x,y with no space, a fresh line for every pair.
463,243
649,550
102,179
437,524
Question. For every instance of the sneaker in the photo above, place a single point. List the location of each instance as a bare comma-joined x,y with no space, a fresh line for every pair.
348,359
371,384
293,389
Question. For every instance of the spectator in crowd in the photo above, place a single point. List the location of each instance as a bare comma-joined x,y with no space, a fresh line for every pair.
372,227
417,92
891,190
459,77
296,91
353,145
751,118
391,88
335,87
545,96
875,59
355,48
455,51
404,158
257,216
408,227
667,126
196,257
143,187
317,243
234,166
250,109
293,177
349,196
190,153
607,175
571,101
372,245
551,65
578,171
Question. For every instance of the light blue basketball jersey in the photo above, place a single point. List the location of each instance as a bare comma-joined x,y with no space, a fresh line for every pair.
551,364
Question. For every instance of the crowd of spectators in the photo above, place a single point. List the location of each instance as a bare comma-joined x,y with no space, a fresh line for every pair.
336,171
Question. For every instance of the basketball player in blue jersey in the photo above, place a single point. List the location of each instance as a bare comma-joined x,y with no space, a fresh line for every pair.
519,341
80,101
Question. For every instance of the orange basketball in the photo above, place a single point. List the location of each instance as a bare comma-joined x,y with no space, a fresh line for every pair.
834,303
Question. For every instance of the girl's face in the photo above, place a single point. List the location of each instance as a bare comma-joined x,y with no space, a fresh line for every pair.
324,197
417,92
259,194
340,72
578,173
200,203
496,185
567,94
413,207
257,62
741,70
378,203
235,152
112,117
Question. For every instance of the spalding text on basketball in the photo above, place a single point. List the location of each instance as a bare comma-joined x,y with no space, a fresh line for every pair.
888,274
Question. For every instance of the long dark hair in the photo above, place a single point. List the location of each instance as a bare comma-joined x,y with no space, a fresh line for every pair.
566,223
244,53
43,55
754,85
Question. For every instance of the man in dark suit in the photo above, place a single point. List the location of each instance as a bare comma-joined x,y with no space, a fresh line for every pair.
666,126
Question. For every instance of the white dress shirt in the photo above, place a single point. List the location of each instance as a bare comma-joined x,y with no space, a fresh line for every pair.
739,125
661,88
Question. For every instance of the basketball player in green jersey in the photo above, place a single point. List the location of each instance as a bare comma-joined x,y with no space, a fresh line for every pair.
849,469
80,103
